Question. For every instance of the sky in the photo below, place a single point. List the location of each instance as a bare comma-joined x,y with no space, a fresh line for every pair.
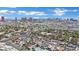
40,12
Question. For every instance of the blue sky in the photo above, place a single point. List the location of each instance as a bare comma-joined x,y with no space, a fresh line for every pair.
40,12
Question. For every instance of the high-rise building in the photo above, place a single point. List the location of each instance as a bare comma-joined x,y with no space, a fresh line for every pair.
2,19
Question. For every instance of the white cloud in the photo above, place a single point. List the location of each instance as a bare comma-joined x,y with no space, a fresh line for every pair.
31,13
7,12
22,12
75,10
11,12
61,11
36,13
3,11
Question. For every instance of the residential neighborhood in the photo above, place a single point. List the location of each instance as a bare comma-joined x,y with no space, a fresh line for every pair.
38,29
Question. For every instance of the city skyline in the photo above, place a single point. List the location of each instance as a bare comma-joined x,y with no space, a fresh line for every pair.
40,12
